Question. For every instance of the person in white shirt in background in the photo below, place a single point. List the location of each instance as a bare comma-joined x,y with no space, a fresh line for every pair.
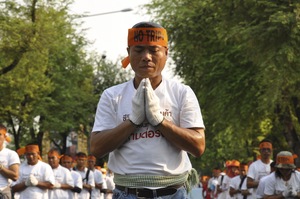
88,181
96,191
67,161
232,170
9,164
213,182
110,184
284,182
36,176
259,168
63,177
236,182
262,182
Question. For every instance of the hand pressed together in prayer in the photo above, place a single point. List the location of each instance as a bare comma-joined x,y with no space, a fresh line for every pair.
145,105
31,181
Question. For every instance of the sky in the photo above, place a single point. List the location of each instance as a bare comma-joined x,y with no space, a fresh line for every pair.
109,31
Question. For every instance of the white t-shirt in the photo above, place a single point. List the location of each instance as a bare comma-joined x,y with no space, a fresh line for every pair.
84,192
276,186
261,186
256,171
147,151
7,158
63,176
42,172
235,184
77,179
98,180
223,183
110,185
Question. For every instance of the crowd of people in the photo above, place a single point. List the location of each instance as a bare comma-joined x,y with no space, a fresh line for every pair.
263,178
60,177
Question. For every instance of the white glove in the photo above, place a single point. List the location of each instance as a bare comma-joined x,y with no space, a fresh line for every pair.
153,114
57,185
138,105
33,180
28,183
289,192
294,193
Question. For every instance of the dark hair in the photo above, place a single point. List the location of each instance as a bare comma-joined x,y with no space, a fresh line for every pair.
3,127
81,154
273,164
145,24
265,140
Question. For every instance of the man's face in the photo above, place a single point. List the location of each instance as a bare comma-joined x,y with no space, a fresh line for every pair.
32,158
81,161
265,153
91,164
53,161
147,61
67,163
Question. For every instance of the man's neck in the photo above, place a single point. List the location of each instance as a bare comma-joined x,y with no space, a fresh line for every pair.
80,168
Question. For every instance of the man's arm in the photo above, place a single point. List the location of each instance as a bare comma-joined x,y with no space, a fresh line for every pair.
251,183
12,172
190,140
106,141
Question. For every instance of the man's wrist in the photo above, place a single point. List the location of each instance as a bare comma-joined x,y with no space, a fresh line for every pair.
1,167
136,125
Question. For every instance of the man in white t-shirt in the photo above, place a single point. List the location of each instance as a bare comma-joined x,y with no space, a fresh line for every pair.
67,161
213,183
63,177
36,177
9,164
236,182
284,182
262,183
96,191
110,184
88,181
259,168
149,124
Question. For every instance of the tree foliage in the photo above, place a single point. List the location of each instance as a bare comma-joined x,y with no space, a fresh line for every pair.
48,81
241,59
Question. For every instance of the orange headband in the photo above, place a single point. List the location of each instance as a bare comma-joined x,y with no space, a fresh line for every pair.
145,36
4,133
21,151
285,160
66,157
243,167
91,157
267,145
32,148
54,153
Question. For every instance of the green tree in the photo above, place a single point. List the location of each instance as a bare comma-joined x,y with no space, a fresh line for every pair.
240,57
50,86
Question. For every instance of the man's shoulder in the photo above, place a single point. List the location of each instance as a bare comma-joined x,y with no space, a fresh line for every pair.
113,90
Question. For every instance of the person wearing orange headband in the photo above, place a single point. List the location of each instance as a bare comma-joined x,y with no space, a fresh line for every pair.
213,182
236,183
260,167
99,180
285,181
9,164
67,161
149,124
63,178
88,181
36,176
